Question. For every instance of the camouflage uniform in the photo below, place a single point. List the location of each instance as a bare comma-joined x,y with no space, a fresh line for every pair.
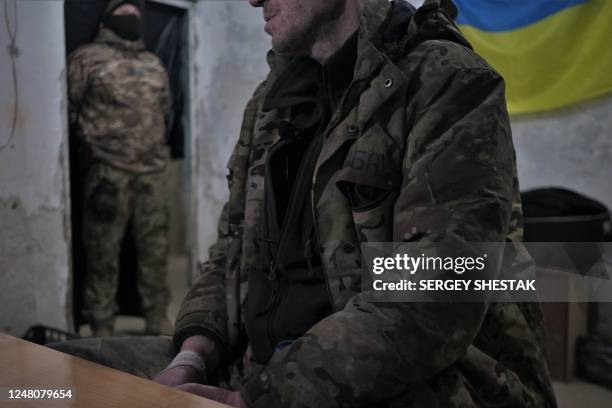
424,124
119,94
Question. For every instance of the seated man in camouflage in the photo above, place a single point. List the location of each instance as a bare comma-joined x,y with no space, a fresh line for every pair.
376,123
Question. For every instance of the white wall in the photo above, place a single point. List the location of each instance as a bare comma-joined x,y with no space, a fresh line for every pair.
569,147
34,214
229,54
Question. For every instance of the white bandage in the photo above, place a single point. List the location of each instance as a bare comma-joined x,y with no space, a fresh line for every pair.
189,359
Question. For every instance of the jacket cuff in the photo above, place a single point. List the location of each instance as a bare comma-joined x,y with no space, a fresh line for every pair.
199,323
256,391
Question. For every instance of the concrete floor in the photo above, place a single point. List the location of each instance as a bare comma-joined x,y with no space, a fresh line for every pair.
177,283
578,394
575,394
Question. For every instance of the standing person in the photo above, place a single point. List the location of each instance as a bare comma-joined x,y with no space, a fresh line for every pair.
119,94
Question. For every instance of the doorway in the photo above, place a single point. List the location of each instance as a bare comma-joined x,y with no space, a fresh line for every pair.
166,34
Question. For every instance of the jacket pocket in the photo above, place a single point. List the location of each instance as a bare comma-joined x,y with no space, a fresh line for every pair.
372,199
364,191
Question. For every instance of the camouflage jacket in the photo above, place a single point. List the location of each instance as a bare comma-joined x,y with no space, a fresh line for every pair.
424,122
119,94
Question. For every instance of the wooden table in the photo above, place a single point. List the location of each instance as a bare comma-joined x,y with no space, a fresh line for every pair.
25,365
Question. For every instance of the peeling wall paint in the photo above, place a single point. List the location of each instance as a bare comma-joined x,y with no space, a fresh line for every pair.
34,210
229,47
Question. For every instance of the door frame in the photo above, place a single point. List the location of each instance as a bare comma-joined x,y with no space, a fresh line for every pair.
190,142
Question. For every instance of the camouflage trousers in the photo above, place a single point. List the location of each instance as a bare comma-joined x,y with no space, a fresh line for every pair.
146,356
143,356
115,198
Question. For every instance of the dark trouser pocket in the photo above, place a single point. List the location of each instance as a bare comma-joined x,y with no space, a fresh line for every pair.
103,203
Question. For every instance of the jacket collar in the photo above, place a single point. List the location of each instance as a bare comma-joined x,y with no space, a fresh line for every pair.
370,58
106,36
373,14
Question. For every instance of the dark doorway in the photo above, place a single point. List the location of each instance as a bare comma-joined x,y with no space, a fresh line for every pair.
166,29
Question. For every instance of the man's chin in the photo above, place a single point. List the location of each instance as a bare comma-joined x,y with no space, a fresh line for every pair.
280,51
279,47
286,48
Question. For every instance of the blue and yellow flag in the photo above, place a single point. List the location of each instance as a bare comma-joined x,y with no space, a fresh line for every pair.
552,53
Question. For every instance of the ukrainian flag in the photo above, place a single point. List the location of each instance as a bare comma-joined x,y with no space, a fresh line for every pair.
552,53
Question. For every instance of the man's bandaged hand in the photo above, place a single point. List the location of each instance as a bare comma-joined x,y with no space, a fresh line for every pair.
187,367
198,357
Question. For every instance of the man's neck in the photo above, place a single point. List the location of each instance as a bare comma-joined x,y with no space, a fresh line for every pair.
336,32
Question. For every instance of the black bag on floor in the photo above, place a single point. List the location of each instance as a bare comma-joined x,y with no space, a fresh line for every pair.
560,215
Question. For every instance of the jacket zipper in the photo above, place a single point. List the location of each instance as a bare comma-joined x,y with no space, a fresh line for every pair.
272,275
272,318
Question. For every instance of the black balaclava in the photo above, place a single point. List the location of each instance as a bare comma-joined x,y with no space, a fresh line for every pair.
128,27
